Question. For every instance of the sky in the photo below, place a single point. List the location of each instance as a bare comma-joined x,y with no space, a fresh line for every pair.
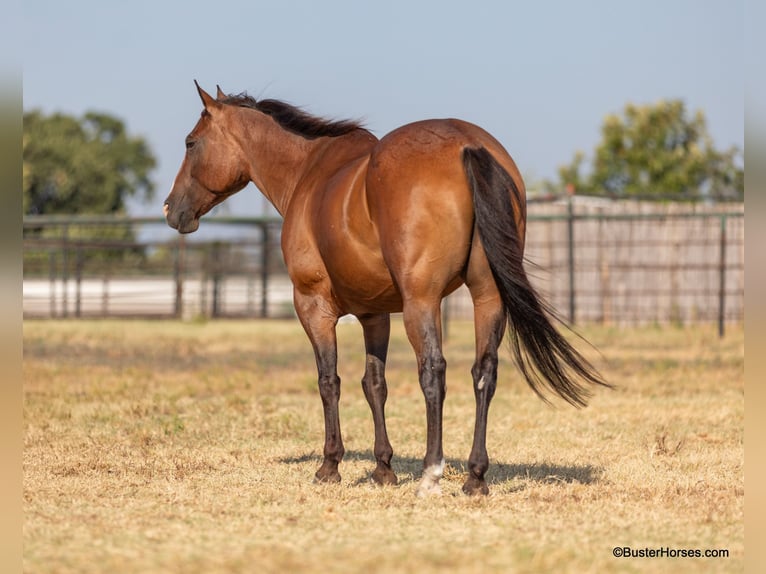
540,76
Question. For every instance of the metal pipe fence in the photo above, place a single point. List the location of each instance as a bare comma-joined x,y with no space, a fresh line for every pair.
594,262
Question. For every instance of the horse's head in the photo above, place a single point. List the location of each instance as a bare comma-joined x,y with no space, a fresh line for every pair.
213,168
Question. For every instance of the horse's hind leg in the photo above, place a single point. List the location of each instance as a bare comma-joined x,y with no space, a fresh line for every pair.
490,323
489,319
422,320
377,329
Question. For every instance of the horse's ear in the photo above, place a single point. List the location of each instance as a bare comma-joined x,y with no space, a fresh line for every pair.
219,95
207,99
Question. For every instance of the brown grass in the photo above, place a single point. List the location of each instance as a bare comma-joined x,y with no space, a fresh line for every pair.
174,447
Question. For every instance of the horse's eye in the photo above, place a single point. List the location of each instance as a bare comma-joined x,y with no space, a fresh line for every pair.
190,144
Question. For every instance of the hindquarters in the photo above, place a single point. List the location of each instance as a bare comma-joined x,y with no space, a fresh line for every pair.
421,206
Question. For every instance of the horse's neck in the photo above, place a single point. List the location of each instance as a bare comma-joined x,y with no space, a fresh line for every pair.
277,158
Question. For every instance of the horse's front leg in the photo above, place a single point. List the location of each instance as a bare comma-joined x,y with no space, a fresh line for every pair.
318,317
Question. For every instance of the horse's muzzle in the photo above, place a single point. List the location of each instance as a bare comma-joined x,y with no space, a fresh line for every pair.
183,221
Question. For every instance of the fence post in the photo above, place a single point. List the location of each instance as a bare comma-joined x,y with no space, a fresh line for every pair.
65,272
603,266
79,262
675,312
178,276
265,270
216,266
105,295
722,280
52,278
570,255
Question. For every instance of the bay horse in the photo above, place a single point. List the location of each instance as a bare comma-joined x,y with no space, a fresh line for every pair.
377,226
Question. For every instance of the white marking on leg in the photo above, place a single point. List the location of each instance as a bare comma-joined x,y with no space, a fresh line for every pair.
429,484
481,383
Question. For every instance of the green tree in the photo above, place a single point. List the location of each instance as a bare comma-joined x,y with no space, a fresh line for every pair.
656,151
87,165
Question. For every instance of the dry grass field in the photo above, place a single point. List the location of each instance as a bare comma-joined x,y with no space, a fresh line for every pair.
190,447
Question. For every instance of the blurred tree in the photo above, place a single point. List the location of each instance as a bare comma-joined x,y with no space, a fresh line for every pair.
656,152
87,165
84,166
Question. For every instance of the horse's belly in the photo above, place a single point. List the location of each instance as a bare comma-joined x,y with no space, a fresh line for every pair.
361,283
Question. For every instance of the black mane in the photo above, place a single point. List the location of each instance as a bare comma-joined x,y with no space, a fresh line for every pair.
293,118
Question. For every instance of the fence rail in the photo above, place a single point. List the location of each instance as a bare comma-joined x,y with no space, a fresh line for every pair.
611,262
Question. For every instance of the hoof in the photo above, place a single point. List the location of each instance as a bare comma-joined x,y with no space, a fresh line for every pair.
429,484
327,473
428,488
333,478
475,487
384,476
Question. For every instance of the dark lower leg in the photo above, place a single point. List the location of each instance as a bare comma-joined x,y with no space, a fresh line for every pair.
484,383
422,320
329,390
376,335
432,382
319,324
375,391
490,326
432,371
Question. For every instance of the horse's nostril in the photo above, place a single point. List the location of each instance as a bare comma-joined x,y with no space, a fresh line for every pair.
165,209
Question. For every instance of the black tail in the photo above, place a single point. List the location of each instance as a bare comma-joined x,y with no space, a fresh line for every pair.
543,355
